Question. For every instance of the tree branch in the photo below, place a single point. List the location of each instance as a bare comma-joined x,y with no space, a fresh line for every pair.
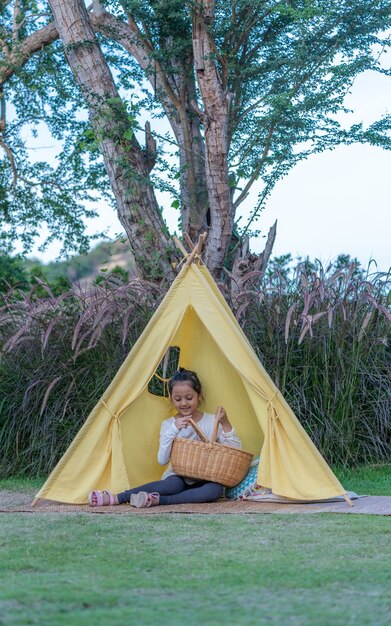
265,255
11,159
15,27
33,43
255,173
201,114
16,176
129,36
150,148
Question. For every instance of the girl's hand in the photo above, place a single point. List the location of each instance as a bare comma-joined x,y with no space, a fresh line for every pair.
223,419
182,422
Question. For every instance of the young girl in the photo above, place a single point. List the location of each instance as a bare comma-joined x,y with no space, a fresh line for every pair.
185,393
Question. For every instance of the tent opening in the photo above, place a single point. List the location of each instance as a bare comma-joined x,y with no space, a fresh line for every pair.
158,385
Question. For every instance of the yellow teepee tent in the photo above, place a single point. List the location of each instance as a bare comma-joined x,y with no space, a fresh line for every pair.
117,447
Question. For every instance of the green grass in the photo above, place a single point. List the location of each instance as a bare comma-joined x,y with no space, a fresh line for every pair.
374,480
112,570
21,483
308,570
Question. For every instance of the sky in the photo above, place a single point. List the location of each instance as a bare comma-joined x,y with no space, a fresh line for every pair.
333,203
337,202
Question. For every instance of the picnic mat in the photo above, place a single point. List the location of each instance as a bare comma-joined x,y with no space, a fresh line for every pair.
14,502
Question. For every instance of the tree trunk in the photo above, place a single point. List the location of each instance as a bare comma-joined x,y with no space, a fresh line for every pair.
125,162
193,180
206,196
216,107
176,94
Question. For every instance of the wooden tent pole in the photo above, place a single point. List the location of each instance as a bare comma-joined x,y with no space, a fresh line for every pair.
188,241
200,243
180,246
190,257
348,500
197,249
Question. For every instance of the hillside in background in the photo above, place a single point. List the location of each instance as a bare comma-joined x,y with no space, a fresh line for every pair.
83,269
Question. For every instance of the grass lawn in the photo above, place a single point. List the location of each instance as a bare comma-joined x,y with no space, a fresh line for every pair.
179,570
374,480
246,569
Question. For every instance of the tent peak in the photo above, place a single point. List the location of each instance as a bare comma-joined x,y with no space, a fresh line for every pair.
195,249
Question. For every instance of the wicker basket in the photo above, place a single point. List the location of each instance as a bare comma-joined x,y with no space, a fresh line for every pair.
209,460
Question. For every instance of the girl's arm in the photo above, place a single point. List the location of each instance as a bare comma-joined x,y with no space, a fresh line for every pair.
229,439
223,419
168,432
227,434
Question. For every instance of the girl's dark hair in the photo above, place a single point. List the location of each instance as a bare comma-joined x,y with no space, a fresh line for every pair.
185,376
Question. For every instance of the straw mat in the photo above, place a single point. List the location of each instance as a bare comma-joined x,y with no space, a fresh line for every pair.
14,502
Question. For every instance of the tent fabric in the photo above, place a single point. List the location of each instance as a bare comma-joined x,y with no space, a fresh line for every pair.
116,448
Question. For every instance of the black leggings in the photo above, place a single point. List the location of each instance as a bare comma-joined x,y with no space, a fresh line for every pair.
174,490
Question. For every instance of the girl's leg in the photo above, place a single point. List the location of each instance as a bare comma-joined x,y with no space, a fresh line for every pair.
168,486
206,492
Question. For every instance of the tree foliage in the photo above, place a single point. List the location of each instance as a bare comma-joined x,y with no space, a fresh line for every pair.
43,101
248,89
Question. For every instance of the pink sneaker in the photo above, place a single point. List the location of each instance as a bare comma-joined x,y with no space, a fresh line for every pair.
142,499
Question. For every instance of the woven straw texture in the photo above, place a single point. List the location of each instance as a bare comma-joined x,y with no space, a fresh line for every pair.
20,502
210,461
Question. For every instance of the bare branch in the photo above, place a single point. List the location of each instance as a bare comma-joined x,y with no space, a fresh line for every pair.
2,112
11,159
265,255
29,18
130,37
201,114
16,176
15,24
97,8
33,43
150,147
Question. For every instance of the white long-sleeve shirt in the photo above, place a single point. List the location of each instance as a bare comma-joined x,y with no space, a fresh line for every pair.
169,431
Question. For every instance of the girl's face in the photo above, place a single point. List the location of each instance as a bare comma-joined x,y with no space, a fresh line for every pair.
185,398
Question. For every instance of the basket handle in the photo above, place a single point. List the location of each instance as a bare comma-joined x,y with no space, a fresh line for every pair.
199,432
216,425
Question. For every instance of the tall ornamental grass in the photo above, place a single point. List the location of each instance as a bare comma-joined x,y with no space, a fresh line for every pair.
59,354
323,336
